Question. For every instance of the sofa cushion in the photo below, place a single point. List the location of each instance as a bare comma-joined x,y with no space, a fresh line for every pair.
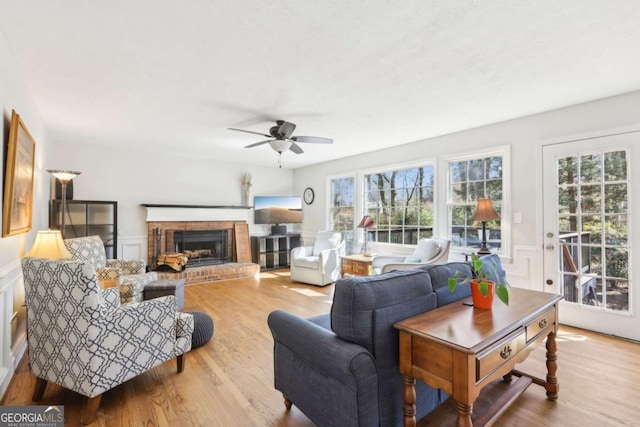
492,268
440,274
366,307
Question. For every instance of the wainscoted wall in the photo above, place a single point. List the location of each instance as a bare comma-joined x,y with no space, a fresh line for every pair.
132,247
12,322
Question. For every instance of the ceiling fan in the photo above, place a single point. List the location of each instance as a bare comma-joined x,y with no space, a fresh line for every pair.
283,141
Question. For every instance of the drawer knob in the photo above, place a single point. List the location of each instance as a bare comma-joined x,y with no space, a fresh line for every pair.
506,352
542,323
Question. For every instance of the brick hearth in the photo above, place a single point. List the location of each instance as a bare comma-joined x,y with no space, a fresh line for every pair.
230,270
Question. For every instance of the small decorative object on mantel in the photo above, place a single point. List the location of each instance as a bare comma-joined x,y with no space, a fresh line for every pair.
246,188
482,289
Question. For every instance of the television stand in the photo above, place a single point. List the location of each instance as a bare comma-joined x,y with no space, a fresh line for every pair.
274,251
278,229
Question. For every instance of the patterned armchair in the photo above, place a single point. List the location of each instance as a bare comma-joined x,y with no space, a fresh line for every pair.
130,275
80,337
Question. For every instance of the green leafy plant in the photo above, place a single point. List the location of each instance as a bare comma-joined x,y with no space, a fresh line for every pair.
482,270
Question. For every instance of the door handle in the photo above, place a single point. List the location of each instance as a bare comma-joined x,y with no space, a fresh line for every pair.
549,247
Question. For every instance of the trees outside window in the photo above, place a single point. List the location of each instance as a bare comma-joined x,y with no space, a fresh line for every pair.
470,180
401,204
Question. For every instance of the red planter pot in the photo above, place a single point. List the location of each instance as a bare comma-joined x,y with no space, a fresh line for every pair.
479,300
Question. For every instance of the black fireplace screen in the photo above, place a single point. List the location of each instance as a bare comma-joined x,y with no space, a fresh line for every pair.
202,247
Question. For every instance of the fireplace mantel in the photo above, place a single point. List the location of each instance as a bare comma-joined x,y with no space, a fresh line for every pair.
176,212
157,205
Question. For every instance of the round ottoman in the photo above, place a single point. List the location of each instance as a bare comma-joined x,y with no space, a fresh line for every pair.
202,328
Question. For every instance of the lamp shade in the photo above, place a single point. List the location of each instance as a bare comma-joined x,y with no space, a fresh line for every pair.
63,175
49,244
485,211
366,222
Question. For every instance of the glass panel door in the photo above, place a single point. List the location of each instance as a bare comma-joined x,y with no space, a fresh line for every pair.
587,223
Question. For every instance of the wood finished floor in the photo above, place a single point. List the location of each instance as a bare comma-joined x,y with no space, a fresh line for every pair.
229,381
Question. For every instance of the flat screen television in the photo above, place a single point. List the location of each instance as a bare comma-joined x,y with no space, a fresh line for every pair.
277,210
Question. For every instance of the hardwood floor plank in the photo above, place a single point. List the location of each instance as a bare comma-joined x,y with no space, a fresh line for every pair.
229,381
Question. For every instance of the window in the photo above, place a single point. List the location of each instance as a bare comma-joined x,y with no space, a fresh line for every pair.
470,180
401,204
342,204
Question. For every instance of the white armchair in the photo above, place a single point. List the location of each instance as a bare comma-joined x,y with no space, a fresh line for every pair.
318,264
428,251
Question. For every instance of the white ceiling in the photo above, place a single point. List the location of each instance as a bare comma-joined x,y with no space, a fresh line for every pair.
174,75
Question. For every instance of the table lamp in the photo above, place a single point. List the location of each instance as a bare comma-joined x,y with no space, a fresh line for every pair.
366,222
49,244
484,213
64,176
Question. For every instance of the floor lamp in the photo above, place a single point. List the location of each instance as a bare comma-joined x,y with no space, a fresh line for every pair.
64,177
484,213
366,222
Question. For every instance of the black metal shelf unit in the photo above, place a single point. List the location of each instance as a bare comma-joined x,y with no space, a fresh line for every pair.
273,251
88,218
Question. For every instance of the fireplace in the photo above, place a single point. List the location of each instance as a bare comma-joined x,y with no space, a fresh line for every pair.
217,248
202,247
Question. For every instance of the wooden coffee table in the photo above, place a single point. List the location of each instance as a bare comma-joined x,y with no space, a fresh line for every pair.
461,349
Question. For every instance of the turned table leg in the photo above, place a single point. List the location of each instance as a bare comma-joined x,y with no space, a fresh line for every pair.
409,396
464,414
552,385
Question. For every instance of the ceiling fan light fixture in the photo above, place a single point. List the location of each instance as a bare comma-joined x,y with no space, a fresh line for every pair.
280,145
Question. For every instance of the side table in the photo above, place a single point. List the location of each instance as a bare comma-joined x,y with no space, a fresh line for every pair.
357,265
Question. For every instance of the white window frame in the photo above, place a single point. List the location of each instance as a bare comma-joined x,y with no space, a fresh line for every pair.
360,185
329,193
505,219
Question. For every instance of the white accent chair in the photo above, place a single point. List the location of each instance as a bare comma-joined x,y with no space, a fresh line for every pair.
318,264
427,251
81,337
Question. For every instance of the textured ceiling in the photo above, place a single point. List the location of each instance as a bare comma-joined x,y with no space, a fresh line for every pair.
174,75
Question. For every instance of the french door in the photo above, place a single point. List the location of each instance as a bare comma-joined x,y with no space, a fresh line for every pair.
590,225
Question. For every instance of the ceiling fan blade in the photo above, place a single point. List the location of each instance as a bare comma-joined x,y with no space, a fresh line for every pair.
250,131
257,143
286,129
313,139
296,148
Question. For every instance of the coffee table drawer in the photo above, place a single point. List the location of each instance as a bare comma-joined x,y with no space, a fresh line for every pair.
540,324
498,354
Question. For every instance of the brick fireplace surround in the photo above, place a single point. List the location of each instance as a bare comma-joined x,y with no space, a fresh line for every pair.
229,270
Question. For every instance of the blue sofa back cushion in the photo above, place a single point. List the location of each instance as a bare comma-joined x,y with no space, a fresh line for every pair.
440,274
365,308
493,268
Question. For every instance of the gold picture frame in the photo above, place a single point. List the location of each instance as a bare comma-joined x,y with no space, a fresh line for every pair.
17,207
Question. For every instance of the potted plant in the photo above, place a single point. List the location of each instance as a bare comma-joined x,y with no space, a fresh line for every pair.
482,288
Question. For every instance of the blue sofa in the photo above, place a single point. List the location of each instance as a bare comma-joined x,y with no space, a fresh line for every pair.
341,368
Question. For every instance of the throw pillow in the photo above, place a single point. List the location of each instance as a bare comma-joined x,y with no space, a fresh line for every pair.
426,249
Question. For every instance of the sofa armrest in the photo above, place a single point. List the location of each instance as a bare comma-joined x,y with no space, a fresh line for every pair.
321,348
301,251
128,266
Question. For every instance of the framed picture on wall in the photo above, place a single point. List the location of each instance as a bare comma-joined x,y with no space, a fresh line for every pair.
17,204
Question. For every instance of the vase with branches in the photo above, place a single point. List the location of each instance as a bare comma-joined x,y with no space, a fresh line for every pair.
245,182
